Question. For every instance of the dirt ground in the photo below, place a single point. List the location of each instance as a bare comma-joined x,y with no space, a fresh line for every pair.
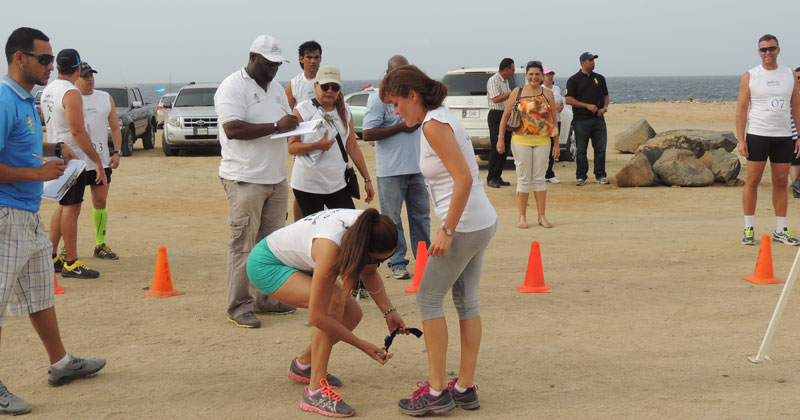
649,315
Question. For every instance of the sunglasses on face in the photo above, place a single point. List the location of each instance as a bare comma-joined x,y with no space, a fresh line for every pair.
387,342
43,59
333,87
770,49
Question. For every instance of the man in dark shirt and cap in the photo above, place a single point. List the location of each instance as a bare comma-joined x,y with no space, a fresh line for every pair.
588,95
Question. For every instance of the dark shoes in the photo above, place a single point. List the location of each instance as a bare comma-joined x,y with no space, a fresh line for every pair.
304,375
467,400
246,320
503,183
423,402
273,307
493,183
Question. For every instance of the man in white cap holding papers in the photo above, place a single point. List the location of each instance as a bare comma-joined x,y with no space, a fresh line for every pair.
251,107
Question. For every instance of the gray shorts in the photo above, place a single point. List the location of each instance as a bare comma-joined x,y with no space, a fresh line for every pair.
26,268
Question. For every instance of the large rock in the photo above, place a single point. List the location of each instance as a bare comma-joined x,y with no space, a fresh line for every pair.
637,173
629,140
653,155
698,141
725,166
681,167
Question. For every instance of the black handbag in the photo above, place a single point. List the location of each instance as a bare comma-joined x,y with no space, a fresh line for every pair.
349,173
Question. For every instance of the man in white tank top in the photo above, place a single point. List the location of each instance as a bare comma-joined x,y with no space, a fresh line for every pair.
768,97
99,112
301,87
62,106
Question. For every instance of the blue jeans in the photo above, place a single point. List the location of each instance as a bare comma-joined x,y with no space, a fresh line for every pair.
594,128
392,191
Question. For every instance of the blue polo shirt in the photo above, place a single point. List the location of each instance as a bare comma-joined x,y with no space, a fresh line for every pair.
395,155
20,138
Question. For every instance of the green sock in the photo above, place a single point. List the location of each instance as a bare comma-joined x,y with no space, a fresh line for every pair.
100,218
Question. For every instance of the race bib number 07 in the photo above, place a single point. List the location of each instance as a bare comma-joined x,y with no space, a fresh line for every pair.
778,104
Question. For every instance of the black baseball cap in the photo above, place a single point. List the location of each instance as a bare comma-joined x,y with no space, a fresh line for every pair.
587,56
68,59
86,69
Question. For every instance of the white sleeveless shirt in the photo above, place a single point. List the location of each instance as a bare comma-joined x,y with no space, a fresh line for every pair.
321,172
479,212
96,108
302,88
55,116
770,102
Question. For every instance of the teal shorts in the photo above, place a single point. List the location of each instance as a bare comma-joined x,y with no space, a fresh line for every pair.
265,270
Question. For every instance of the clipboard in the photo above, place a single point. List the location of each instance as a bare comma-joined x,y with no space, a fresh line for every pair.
56,189
304,127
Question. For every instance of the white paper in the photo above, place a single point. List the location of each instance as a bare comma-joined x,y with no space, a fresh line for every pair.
305,127
57,188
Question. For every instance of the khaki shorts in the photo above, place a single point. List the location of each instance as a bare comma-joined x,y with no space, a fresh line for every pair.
26,268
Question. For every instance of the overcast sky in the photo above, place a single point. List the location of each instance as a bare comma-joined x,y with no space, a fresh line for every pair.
148,41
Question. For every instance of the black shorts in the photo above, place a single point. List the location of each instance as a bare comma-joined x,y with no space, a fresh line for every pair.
778,149
75,194
311,203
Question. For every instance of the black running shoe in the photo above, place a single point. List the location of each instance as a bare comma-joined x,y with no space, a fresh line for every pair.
468,400
423,402
79,270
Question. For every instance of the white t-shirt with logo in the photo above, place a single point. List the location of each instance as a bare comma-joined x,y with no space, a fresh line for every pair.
479,212
292,244
55,116
96,108
770,102
302,88
321,172
261,160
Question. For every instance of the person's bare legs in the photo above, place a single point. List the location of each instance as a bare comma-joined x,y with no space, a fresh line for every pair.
750,192
55,229
541,203
46,325
436,343
794,172
780,181
522,205
69,229
471,332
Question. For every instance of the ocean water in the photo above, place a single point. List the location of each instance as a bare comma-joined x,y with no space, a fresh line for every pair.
621,89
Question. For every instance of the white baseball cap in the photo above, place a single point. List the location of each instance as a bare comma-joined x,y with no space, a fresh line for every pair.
268,47
329,74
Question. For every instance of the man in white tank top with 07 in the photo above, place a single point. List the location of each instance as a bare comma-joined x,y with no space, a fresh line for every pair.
768,98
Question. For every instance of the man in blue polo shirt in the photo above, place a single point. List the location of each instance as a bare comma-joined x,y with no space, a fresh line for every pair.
26,270
399,177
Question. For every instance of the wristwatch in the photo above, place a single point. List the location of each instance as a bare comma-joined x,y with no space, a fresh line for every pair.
114,152
448,232
58,149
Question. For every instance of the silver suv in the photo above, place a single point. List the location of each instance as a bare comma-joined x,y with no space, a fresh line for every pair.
192,121
466,98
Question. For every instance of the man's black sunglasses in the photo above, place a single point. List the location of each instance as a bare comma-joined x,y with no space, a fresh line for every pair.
770,49
389,338
43,59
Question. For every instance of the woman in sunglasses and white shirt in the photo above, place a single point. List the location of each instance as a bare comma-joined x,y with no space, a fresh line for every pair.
318,171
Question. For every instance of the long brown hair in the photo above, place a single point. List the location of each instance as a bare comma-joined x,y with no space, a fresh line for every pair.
339,104
402,80
371,232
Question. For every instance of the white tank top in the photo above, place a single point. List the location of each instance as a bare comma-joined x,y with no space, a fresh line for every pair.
479,212
321,172
55,116
770,102
302,88
96,108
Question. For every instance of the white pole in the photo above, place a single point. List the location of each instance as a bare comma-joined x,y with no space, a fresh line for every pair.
776,315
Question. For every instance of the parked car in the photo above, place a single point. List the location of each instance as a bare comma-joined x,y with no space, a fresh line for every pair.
163,107
466,98
137,119
357,101
192,121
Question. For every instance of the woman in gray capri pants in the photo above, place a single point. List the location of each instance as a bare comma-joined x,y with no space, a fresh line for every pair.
447,161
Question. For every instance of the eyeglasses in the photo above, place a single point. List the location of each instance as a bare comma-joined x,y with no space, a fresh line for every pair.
387,342
370,260
770,49
330,86
43,59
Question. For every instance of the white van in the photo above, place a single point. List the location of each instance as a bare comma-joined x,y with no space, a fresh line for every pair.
466,98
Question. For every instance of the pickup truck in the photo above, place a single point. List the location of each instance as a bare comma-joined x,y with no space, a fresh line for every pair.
137,119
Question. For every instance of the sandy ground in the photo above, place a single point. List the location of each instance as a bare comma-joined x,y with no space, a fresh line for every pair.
649,316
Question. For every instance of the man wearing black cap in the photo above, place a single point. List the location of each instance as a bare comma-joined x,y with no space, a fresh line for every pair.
62,106
588,95
99,113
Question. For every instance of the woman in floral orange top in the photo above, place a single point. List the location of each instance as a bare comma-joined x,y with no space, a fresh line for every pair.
531,141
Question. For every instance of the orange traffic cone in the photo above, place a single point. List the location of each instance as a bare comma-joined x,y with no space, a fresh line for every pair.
534,276
419,267
59,290
162,280
763,272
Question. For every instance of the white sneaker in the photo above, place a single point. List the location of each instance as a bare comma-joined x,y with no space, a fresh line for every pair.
553,180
